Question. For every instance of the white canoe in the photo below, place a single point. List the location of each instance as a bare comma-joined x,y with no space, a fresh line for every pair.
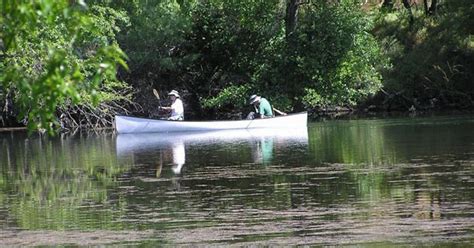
125,124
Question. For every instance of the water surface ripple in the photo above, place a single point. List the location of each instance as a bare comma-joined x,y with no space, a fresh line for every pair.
382,182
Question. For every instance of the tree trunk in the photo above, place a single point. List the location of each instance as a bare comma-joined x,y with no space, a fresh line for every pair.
425,4
291,16
433,7
407,6
387,4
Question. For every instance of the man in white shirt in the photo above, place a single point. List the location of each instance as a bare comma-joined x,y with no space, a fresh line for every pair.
177,109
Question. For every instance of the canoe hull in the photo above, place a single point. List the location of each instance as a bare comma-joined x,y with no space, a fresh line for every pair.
125,124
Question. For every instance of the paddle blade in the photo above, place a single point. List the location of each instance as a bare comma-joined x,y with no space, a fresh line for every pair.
156,94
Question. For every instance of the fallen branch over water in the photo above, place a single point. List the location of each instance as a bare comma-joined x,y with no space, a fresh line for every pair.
101,116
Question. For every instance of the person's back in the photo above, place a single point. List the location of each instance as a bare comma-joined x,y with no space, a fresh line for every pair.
177,110
265,108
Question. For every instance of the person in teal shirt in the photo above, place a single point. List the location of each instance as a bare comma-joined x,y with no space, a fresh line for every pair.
263,109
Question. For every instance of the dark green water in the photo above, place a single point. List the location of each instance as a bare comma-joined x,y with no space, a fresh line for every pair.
381,182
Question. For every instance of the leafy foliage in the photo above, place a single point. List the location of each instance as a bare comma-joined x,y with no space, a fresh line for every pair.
59,58
433,57
236,95
330,58
54,53
211,48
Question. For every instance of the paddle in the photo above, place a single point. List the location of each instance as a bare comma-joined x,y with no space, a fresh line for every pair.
279,112
157,96
155,92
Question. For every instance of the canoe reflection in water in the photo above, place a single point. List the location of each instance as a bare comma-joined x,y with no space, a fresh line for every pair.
233,145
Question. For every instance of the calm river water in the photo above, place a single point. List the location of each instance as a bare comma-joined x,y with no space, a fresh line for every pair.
377,182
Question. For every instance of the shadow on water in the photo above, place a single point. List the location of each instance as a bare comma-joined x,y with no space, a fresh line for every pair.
374,182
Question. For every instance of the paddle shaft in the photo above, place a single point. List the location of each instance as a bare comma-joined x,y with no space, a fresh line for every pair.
157,96
279,112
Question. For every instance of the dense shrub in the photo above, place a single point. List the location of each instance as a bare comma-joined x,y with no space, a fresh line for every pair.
433,56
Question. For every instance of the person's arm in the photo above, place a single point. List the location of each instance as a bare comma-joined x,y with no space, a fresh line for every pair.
165,108
261,111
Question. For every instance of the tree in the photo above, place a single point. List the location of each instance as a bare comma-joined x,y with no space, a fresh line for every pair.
432,60
52,54
291,16
431,9
407,6
387,4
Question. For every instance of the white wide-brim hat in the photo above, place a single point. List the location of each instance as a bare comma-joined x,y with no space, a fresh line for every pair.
254,98
173,93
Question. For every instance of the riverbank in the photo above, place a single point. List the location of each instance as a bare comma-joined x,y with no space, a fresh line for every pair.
360,113
323,114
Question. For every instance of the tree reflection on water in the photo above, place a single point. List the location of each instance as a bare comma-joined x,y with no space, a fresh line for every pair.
401,181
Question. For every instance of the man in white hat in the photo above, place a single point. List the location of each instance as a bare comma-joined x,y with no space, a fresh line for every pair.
263,109
177,109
